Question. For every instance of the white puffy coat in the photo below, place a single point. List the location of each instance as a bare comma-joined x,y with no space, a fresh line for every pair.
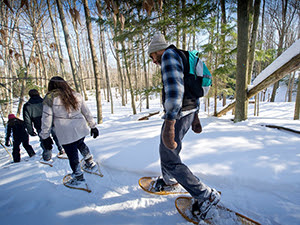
69,126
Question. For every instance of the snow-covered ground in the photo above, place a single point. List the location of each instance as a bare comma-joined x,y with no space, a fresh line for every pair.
256,168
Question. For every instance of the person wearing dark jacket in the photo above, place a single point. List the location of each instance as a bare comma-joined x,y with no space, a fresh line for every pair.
20,135
32,115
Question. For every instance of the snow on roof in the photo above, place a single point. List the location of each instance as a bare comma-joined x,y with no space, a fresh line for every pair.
286,56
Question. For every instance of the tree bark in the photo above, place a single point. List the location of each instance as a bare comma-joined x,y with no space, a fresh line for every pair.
94,59
129,80
253,40
297,103
57,42
68,42
145,73
242,52
108,86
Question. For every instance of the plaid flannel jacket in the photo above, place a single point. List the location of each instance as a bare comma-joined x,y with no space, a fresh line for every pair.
172,76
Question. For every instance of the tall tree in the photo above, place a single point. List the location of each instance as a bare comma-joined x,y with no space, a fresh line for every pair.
104,56
297,103
253,39
9,24
57,42
68,43
94,59
241,107
35,13
75,17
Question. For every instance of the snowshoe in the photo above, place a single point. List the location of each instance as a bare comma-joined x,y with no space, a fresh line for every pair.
77,182
155,185
91,167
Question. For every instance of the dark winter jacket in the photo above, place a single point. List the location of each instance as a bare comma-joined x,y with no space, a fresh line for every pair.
177,99
17,127
32,114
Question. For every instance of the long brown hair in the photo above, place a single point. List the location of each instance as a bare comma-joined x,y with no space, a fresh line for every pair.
65,92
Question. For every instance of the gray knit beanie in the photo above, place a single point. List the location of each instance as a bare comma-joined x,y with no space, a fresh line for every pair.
158,43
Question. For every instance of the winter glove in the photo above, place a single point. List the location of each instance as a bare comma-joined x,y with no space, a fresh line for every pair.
33,134
94,132
47,143
7,143
168,134
196,125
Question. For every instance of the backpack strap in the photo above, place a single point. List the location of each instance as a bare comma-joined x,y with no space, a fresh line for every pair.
184,55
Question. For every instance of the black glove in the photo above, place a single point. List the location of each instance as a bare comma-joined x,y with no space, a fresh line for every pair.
47,143
33,134
7,143
94,132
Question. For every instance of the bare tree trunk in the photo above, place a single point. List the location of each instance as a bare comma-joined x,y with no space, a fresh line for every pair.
133,69
289,91
129,80
94,59
68,42
26,73
57,42
242,52
36,15
75,21
108,86
88,67
145,73
121,79
42,60
7,65
297,103
8,37
253,40
223,29
183,2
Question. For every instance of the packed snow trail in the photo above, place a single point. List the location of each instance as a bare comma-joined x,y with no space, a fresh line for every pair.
250,164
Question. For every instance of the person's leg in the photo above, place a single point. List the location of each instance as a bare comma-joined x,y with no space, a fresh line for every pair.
28,147
85,152
72,153
16,151
59,146
47,154
83,148
172,167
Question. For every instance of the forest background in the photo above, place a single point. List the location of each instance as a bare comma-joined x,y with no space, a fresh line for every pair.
99,45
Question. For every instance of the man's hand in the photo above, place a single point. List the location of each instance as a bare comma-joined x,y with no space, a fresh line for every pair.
168,134
196,125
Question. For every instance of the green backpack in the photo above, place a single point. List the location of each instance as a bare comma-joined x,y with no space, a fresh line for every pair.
197,78
199,69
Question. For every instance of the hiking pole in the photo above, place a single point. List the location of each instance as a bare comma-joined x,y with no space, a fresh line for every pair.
6,150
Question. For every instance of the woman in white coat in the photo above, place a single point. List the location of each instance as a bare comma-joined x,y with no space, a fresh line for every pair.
66,110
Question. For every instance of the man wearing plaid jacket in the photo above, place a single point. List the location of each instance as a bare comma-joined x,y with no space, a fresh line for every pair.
181,113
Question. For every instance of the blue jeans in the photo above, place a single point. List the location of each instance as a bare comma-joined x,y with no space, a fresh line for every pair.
172,167
72,153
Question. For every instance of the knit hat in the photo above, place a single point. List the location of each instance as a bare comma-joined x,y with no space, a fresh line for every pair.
33,92
11,116
158,43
